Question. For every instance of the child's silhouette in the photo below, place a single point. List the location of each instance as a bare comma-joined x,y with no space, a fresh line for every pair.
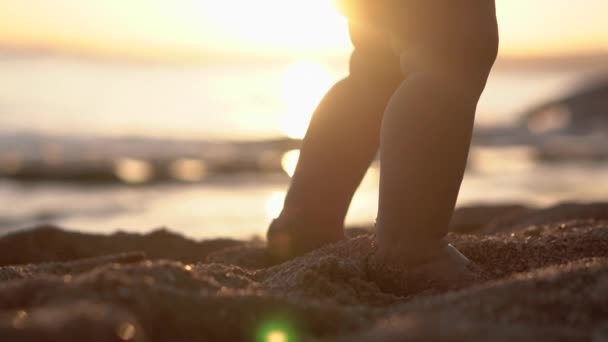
416,75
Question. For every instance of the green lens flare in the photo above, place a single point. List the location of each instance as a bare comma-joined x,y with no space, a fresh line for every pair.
276,336
276,331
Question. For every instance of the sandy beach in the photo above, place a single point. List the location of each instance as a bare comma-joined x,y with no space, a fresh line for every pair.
147,146
545,278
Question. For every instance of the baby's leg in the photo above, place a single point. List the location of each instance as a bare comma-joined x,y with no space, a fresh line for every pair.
425,140
341,141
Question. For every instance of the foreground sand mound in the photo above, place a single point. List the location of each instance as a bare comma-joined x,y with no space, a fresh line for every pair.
546,277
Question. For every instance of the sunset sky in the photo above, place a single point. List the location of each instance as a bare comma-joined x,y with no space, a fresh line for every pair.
178,28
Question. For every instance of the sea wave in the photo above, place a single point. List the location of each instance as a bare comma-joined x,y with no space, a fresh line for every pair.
135,160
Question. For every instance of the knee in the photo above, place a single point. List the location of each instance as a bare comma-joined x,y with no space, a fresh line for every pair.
484,49
445,91
465,58
463,69
375,71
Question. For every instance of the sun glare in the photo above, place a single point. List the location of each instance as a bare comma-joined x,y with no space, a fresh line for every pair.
280,24
269,27
277,331
305,83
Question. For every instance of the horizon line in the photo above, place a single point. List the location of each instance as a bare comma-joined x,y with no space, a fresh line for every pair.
154,56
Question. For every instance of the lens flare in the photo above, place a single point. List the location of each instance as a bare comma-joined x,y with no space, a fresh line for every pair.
277,336
276,331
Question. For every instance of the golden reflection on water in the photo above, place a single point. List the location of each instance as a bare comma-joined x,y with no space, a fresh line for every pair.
133,171
504,160
305,83
188,170
274,204
289,161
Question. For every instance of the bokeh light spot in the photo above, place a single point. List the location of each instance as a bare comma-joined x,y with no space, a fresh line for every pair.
188,170
126,331
19,319
289,161
133,171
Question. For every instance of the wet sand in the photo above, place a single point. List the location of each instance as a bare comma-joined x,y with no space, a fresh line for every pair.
545,278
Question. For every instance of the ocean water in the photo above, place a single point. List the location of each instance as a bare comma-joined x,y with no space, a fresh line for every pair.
60,111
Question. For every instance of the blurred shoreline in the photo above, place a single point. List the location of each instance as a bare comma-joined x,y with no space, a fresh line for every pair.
135,160
95,146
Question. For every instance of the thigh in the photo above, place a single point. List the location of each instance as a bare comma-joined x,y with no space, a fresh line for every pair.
460,31
457,39
443,32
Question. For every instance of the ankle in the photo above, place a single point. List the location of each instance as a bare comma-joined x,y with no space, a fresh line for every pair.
291,236
302,219
409,250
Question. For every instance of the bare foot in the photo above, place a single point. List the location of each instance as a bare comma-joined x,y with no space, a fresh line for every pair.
440,267
289,239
